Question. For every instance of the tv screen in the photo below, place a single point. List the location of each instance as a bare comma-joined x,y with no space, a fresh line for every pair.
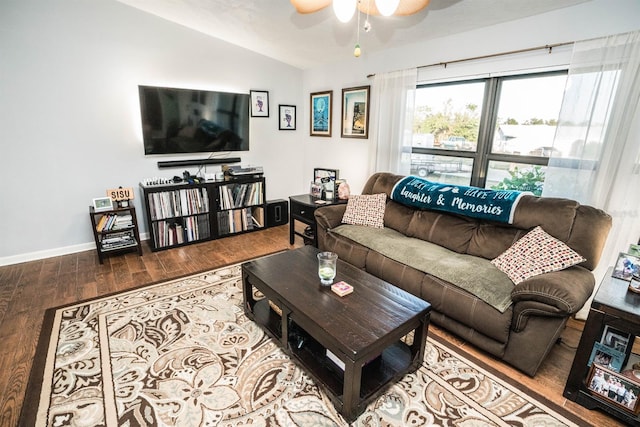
193,121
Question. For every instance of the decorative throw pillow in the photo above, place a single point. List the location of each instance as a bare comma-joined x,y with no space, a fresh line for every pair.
366,209
535,253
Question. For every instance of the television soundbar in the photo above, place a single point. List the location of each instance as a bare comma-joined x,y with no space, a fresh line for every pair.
197,162
193,121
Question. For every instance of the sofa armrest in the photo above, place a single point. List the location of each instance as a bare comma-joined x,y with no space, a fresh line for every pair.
328,217
566,291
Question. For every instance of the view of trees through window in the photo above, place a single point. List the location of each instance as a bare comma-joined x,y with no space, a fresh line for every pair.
494,133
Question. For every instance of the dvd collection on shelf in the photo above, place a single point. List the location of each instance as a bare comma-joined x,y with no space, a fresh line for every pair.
113,221
245,219
118,241
240,195
182,202
187,229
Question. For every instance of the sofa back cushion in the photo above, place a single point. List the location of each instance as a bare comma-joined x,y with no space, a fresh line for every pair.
450,231
583,228
398,216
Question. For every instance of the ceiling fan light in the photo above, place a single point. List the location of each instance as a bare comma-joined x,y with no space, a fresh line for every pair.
386,7
344,9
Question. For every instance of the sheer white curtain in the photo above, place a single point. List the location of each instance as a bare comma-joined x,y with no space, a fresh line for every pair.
598,138
392,105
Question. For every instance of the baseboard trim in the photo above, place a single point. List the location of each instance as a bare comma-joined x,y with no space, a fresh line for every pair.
50,253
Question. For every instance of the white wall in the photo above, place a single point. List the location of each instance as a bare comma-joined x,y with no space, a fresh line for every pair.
69,119
69,116
587,20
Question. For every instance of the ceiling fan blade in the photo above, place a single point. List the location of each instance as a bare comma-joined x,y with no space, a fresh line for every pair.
310,6
406,7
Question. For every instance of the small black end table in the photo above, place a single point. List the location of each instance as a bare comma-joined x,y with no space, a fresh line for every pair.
302,208
616,307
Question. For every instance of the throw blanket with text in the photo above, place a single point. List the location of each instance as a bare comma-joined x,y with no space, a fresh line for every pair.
474,202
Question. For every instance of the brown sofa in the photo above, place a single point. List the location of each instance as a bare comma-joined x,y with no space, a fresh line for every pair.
520,332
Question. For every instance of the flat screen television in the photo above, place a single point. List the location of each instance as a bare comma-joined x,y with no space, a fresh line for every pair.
193,121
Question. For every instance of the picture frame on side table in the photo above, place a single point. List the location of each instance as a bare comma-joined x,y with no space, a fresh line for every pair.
101,204
326,178
626,266
355,112
608,357
617,339
625,393
286,117
259,103
321,113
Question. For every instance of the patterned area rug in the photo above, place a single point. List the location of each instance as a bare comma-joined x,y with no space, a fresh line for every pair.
182,353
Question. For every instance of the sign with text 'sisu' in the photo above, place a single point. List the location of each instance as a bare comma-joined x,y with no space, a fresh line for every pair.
120,194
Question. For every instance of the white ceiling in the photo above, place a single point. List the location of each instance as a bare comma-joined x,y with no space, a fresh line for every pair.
274,28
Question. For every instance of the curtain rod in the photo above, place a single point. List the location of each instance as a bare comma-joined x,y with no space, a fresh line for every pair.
444,64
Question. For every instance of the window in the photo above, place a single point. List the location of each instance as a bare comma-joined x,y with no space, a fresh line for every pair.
493,133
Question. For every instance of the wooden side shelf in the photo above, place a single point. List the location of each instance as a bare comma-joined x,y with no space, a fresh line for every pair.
115,231
614,312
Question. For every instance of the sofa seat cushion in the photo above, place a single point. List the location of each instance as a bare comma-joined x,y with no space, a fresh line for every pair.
473,274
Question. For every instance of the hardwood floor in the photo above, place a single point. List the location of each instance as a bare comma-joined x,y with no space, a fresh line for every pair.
28,289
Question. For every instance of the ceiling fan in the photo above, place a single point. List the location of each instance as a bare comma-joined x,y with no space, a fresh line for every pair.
371,7
344,10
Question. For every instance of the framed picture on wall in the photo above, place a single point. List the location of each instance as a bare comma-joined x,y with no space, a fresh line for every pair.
355,112
259,103
321,113
287,117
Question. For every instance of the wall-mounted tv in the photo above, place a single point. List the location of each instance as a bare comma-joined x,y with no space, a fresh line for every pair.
193,121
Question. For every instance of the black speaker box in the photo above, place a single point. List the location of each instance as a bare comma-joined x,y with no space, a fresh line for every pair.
277,212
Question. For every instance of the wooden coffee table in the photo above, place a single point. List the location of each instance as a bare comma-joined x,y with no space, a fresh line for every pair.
363,329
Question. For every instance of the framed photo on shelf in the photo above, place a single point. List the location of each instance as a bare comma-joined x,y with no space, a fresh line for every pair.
101,204
326,178
626,266
608,357
634,250
315,189
613,388
321,113
287,117
355,112
617,339
259,103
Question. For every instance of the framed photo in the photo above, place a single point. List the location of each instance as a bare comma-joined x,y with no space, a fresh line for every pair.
617,339
287,117
634,250
315,190
101,204
259,103
613,388
326,178
608,357
355,112
626,266
321,113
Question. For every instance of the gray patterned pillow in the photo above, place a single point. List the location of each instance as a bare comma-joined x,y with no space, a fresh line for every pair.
366,209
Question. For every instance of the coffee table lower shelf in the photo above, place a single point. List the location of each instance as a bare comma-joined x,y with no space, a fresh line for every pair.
394,362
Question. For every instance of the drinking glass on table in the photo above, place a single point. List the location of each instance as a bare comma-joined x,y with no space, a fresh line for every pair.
327,267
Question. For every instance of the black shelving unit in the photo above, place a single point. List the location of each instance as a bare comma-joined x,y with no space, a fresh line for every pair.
115,231
182,214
